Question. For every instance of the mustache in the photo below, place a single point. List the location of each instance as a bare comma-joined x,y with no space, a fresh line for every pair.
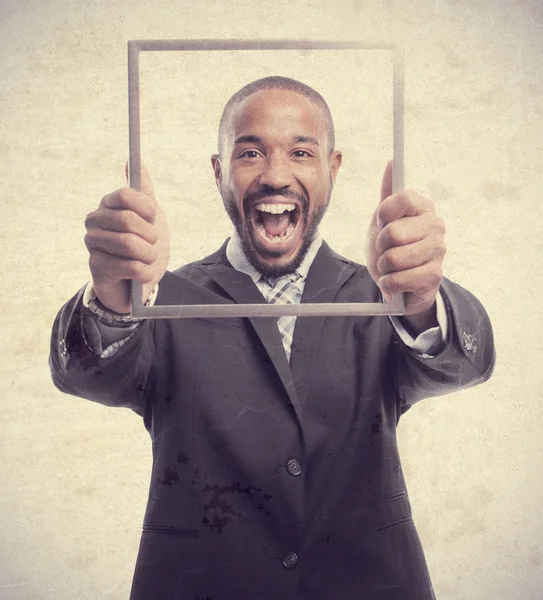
266,192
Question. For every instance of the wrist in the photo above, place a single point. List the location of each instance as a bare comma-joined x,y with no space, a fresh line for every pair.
103,313
418,323
106,315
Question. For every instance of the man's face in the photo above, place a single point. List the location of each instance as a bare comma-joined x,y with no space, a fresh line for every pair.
276,176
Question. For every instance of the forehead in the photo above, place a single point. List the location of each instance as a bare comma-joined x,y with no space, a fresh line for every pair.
277,113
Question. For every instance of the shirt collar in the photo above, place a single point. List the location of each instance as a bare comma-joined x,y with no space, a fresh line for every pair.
236,257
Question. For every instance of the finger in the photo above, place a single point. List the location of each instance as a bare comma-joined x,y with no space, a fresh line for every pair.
406,257
386,182
121,245
128,199
147,186
146,183
103,266
419,280
402,204
408,231
122,221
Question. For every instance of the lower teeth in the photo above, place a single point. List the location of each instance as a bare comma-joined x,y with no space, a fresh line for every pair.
276,238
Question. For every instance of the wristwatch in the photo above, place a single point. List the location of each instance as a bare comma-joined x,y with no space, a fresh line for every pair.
103,314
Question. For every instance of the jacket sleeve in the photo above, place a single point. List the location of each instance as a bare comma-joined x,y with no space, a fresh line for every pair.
467,359
121,380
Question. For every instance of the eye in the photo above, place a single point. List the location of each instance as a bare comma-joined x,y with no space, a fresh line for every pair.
301,154
249,154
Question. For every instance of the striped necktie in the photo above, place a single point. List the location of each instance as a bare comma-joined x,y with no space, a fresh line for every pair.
285,290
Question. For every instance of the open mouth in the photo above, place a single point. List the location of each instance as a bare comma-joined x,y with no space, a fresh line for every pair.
275,222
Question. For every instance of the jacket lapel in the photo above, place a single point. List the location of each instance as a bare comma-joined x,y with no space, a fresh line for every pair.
241,288
326,276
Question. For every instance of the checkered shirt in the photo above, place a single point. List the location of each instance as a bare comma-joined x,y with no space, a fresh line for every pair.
285,290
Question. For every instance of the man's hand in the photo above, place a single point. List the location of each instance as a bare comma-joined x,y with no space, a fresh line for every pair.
127,238
405,251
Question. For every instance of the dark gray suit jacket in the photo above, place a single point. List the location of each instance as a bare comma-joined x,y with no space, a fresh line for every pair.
270,481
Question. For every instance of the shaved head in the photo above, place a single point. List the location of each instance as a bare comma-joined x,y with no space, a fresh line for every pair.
276,83
276,169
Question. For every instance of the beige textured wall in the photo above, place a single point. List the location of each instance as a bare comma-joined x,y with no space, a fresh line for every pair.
75,474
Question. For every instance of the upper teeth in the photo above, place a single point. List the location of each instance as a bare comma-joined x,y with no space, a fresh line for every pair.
275,209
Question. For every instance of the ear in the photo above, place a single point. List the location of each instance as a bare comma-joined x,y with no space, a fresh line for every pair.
335,162
217,169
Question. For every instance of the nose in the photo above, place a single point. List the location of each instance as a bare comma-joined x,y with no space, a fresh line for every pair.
276,172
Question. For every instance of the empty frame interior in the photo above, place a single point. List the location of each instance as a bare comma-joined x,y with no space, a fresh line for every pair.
177,90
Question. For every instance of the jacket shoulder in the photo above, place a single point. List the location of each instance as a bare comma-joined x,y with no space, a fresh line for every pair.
190,270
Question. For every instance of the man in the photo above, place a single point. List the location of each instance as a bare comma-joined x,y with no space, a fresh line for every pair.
276,472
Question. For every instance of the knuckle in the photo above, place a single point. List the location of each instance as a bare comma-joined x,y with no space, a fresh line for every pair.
436,224
381,242
437,249
394,258
125,219
396,279
133,269
389,260
152,212
382,265
147,207
394,234
153,236
380,215
140,271
95,263
428,255
89,219
90,240
394,282
389,282
125,196
146,275
127,242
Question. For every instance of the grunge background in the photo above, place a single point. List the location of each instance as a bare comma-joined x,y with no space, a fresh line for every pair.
75,474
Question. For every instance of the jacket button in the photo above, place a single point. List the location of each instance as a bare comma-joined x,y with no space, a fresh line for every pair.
290,559
62,346
294,468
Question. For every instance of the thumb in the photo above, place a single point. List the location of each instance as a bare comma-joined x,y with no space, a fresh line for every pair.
146,183
386,183
147,186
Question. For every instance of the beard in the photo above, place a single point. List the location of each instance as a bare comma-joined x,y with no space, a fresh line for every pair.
242,226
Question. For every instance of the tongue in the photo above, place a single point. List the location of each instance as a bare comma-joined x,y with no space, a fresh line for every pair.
275,224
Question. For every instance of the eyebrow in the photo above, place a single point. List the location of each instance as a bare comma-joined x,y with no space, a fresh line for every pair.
256,139
304,139
248,139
